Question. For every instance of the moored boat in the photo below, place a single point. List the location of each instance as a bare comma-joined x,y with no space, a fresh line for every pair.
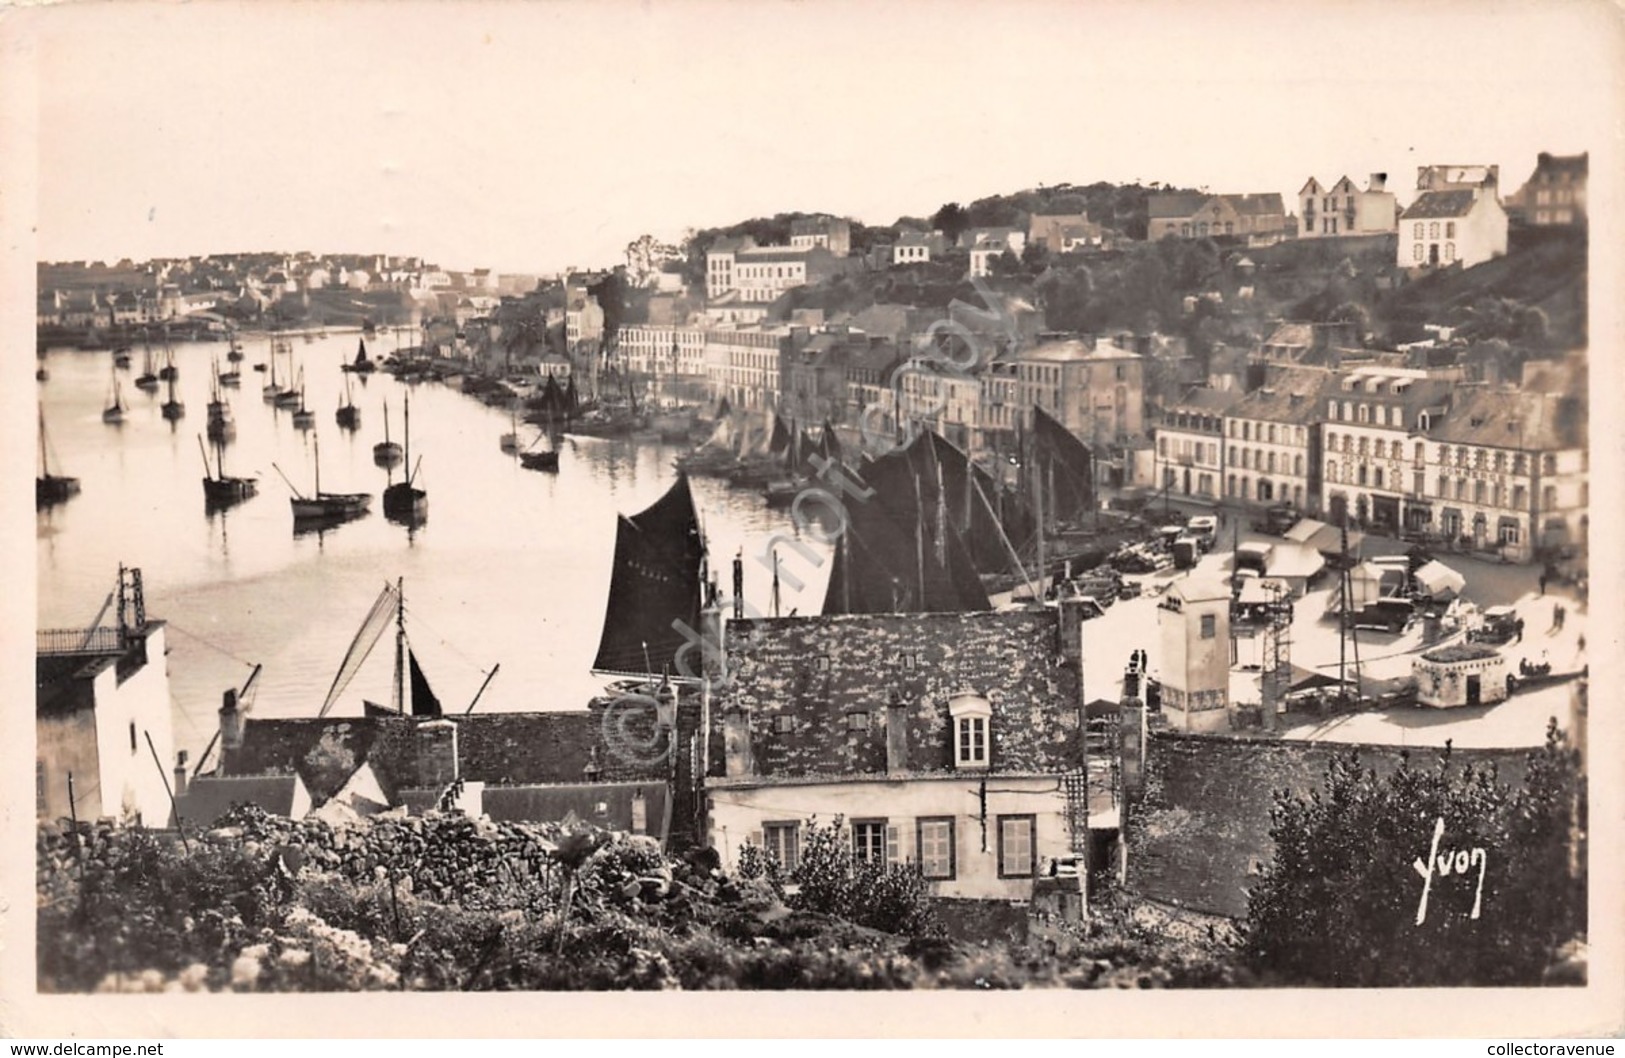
322,506
219,490
386,453
50,489
404,502
113,414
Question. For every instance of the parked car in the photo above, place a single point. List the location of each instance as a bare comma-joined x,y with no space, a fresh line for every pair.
1187,550
1204,527
1501,625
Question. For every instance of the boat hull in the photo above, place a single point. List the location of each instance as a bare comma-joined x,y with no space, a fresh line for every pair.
403,503
539,460
386,454
223,492
53,489
328,506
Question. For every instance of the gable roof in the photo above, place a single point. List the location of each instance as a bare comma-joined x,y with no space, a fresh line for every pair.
814,671
1311,188
1434,204
209,797
1256,204
1514,419
1177,205
497,748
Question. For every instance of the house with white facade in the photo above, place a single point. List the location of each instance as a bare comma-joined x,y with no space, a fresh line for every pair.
1343,209
1190,443
1373,443
1458,217
941,741
832,233
100,695
1272,442
916,247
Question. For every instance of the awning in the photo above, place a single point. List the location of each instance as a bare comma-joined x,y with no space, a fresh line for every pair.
1439,580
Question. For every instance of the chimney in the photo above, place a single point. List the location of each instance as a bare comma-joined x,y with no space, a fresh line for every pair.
896,734
713,650
1069,630
180,773
1379,181
231,723
436,753
736,749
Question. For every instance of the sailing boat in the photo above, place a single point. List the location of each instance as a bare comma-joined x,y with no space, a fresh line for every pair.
386,453
172,408
121,354
290,397
654,588
230,377
410,693
362,364
303,417
510,440
49,488
236,353
222,427
146,380
169,372
114,412
324,506
348,416
404,502
220,491
273,391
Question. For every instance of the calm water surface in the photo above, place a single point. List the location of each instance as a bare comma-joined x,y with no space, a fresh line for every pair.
511,568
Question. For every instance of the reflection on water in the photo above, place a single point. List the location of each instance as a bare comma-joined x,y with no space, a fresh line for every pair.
513,567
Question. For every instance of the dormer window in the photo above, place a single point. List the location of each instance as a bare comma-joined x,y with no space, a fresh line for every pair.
971,714
908,662
857,721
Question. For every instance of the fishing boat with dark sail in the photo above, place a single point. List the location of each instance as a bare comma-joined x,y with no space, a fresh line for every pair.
169,372
235,354
404,502
324,507
273,391
362,364
386,453
50,489
219,490
655,590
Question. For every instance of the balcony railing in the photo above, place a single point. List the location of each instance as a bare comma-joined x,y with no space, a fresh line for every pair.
68,641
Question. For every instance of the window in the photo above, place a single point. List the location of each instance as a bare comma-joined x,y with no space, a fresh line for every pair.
1433,230
783,725
934,838
971,714
972,741
1376,477
1331,470
1507,531
873,841
1549,496
1365,413
1416,249
1420,456
1210,626
1297,465
1018,856
1450,229
1520,496
1449,251
1416,233
857,721
783,842
1272,433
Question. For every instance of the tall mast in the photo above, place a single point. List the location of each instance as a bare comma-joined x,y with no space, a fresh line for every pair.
400,647
316,439
407,427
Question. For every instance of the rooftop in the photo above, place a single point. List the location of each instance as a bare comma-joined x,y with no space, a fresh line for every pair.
1433,204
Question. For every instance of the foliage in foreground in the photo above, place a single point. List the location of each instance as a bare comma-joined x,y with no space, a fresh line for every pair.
447,903
1339,904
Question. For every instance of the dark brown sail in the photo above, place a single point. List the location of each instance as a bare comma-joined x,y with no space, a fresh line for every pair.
654,587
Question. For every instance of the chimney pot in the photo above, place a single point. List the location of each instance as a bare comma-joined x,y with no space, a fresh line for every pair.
896,734
436,753
231,722
736,744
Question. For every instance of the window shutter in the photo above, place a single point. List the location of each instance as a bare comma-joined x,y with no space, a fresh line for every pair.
892,853
755,838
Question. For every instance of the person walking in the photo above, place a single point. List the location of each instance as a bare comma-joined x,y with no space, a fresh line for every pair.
1543,582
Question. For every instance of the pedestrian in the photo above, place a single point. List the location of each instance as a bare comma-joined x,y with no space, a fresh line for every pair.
1543,582
1580,646
1562,616
1557,612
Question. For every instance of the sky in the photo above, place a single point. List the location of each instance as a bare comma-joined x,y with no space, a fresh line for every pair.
529,137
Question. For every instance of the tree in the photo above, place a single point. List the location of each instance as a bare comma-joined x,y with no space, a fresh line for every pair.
1340,903
951,220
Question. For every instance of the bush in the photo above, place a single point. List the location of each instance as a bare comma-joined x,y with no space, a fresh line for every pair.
893,898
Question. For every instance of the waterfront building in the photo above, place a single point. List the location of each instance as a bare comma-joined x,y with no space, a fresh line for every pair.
1190,443
1344,209
742,364
917,247
1272,442
663,351
1374,419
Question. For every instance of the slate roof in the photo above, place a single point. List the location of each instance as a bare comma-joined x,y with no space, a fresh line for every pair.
1292,334
772,254
1204,398
1435,204
208,798
1160,207
496,748
1291,398
1514,418
815,671
1256,205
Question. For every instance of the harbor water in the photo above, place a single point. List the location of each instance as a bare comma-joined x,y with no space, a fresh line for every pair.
511,567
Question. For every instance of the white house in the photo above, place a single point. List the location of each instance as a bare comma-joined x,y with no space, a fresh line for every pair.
101,693
1458,217
1343,209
